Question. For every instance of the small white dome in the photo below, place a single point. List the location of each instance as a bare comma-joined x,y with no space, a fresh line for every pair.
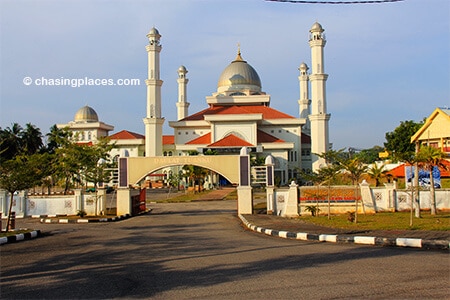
316,27
153,31
86,114
303,66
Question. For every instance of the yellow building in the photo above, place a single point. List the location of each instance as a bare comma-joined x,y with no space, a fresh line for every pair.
436,130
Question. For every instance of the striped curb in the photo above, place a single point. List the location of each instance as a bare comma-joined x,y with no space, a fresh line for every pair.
361,240
20,237
81,221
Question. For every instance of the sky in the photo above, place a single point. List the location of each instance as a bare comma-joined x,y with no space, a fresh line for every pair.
386,63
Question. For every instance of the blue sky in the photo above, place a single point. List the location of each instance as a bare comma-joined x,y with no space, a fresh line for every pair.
386,62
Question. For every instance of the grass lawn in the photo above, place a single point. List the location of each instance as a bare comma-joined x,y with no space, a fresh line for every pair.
385,221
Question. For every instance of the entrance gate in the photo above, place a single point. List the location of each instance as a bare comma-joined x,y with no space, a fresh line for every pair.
235,168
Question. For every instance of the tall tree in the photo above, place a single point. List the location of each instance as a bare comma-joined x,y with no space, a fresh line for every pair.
355,169
56,138
11,141
430,158
328,174
31,139
398,142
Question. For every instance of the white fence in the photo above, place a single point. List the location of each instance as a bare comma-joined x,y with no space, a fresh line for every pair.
391,199
24,205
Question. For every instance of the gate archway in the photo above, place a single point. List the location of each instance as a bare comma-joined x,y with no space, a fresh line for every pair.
235,168
133,169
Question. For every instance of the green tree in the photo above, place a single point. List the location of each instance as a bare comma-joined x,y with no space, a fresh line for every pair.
369,156
377,172
31,139
11,141
15,141
355,169
327,175
56,138
20,173
428,158
398,142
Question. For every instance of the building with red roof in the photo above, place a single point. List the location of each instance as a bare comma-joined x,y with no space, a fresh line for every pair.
239,115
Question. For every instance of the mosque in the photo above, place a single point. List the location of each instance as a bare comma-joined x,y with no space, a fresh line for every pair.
238,114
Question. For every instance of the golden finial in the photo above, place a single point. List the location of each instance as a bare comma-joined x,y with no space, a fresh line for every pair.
239,57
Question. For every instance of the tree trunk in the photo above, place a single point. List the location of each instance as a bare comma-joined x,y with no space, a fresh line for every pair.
417,194
432,193
329,204
356,205
9,212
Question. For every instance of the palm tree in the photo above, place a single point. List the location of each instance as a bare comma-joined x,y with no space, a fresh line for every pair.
31,139
356,169
11,141
377,172
328,174
430,158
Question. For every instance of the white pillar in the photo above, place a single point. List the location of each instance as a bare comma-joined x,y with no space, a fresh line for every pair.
23,195
153,120
244,190
182,104
367,197
319,117
79,201
245,200
101,201
123,201
291,208
4,202
304,102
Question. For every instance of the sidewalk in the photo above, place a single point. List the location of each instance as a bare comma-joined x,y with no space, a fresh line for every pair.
298,229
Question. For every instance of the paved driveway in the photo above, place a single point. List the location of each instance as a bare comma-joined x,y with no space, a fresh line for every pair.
200,251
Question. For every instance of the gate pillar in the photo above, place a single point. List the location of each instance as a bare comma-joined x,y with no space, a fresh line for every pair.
123,201
244,190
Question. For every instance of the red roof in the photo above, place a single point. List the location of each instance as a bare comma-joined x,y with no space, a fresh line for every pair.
399,171
204,139
267,112
126,135
264,137
168,139
230,141
85,143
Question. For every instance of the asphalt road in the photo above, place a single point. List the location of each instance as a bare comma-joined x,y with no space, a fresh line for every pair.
200,251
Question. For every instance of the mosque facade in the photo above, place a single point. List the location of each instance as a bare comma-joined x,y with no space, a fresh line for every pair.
237,114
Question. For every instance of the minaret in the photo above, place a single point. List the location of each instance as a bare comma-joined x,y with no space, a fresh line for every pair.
153,121
304,101
182,104
319,117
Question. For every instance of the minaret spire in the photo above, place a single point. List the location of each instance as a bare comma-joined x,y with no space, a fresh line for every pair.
319,117
304,102
238,56
153,120
182,104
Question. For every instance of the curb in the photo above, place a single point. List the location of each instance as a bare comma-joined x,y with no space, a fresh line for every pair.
361,240
97,220
20,237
